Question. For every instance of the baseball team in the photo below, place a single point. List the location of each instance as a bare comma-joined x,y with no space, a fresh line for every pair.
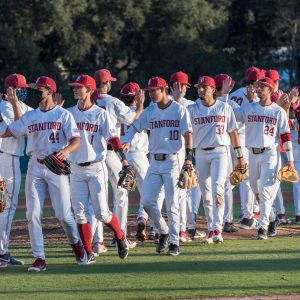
256,126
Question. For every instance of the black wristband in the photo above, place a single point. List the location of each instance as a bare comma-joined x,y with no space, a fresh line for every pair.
120,154
189,154
1,119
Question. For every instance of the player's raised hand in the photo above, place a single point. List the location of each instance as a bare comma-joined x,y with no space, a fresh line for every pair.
284,101
58,99
294,95
140,98
11,95
177,91
251,90
226,86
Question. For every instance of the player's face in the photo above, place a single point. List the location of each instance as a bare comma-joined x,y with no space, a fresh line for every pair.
80,92
263,91
156,95
205,91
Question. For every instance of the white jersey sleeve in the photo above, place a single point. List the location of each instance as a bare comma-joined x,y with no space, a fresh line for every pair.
12,145
139,142
118,112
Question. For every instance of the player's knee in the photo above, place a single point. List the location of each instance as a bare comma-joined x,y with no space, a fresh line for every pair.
33,216
104,217
219,198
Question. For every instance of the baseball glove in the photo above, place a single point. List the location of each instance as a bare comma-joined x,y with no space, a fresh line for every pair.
284,175
57,166
3,195
127,178
188,177
238,174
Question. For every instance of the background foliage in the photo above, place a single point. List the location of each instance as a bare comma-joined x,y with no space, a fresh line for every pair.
137,39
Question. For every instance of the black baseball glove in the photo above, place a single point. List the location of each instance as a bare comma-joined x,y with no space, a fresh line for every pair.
57,166
127,178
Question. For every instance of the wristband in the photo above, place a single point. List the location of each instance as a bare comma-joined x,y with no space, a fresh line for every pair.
189,154
290,156
238,152
120,154
1,119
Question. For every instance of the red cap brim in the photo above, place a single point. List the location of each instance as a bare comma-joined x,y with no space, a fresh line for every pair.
76,84
113,79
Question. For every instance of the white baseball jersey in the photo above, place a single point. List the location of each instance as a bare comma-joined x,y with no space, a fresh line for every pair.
166,127
95,128
13,146
211,124
47,131
140,141
264,124
118,112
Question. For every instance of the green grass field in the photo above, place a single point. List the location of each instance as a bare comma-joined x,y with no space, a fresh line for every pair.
235,268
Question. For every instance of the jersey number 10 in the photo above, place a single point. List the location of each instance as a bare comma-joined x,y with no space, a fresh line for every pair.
174,135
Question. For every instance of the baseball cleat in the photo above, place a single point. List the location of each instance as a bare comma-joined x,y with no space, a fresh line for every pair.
163,243
229,227
141,231
151,235
262,234
113,244
123,248
156,238
195,234
80,254
272,230
209,239
99,248
282,220
130,243
39,265
183,237
217,237
248,223
11,260
297,219
3,264
90,259
173,250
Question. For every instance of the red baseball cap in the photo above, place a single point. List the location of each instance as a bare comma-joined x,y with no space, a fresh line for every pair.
84,80
15,81
104,75
206,80
255,75
156,82
266,81
44,81
219,79
273,74
250,70
180,77
130,89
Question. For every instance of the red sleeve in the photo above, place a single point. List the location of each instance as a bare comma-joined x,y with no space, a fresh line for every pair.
115,143
285,137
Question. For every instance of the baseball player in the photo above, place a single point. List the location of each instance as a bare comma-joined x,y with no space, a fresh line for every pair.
265,124
295,134
167,121
49,129
137,154
11,108
119,114
248,202
179,83
224,84
278,202
89,173
214,126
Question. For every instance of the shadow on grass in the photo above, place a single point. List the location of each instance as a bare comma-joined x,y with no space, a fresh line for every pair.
161,267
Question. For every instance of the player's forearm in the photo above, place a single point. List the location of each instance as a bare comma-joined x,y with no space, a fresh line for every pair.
188,137
130,134
73,145
17,110
138,111
287,145
117,147
235,142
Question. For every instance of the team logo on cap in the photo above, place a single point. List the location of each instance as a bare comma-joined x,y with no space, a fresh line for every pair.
78,78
